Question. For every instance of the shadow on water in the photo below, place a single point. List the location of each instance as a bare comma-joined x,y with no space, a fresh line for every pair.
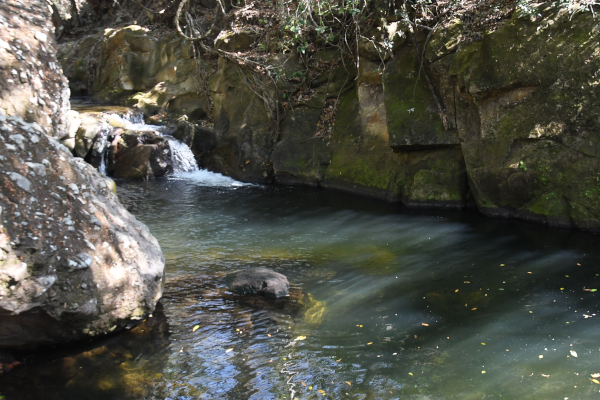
120,366
386,303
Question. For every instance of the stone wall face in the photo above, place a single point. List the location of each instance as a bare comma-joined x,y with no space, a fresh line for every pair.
32,84
509,124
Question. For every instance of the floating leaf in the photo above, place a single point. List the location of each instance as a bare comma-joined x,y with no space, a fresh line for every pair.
321,391
593,290
541,356
483,372
370,343
595,375
546,376
228,350
301,338
483,343
456,291
424,324
310,388
303,384
410,373
196,327
338,360
473,309
349,384
529,272
573,353
596,381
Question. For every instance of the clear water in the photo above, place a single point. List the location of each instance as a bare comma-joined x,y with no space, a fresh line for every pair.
385,303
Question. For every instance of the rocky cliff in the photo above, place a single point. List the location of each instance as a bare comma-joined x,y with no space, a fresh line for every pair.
508,123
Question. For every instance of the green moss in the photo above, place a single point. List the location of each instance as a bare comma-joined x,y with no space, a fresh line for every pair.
550,206
412,115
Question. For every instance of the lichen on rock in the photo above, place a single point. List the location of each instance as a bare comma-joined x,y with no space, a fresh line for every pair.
73,262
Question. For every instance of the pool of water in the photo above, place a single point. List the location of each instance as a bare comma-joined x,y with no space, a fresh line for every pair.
386,303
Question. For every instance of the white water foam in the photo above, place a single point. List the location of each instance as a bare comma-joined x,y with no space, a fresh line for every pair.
206,178
182,156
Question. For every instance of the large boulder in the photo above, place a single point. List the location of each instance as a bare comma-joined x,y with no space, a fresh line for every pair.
258,280
32,85
74,263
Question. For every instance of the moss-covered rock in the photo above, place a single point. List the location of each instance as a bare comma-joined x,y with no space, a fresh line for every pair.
413,118
244,127
300,158
363,161
527,113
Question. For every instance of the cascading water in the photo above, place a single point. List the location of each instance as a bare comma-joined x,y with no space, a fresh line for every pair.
181,155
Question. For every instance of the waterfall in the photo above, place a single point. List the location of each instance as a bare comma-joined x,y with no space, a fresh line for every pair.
181,155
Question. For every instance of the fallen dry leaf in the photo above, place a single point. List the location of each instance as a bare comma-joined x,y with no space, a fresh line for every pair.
424,324
349,384
595,375
473,309
195,328
301,338
596,381
370,343
573,353
303,384
228,350
546,376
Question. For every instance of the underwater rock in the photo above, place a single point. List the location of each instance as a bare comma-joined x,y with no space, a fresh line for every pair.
258,280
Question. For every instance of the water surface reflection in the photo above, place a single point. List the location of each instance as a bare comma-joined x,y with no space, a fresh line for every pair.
386,303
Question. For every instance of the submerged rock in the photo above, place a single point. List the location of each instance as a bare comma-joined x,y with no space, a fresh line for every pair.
258,280
74,263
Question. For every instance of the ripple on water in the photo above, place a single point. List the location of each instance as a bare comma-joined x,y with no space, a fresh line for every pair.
400,304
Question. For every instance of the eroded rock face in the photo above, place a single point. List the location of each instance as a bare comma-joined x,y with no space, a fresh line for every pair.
73,262
131,63
32,84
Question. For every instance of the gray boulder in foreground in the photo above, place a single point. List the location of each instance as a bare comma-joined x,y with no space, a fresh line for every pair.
74,263
258,280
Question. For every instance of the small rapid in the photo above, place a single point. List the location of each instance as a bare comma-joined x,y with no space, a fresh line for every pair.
181,155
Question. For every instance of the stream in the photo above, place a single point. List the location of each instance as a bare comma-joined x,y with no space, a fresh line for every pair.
385,303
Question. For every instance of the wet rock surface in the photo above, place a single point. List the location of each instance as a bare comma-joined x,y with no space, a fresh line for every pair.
142,155
258,280
73,262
